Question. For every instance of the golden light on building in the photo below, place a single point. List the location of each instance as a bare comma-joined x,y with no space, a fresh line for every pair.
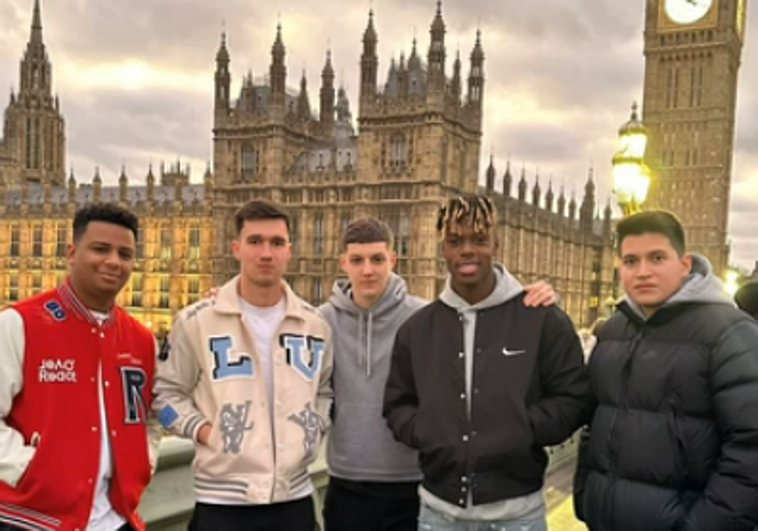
631,177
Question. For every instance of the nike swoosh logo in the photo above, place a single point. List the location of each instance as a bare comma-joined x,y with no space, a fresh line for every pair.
513,352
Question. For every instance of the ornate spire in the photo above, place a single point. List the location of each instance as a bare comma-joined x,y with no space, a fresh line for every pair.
369,36
522,185
491,175
438,24
278,48
507,179
222,56
36,36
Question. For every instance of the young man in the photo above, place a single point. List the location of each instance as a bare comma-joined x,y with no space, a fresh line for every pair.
76,378
479,383
247,376
374,479
673,443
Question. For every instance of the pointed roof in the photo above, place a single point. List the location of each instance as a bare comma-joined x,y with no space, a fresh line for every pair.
370,34
328,70
589,188
414,61
36,35
277,50
222,56
477,54
438,24
491,168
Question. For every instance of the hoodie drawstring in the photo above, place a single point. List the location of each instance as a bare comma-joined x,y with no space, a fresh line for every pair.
369,334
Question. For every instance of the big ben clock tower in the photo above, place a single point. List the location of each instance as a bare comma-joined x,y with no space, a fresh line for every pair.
692,58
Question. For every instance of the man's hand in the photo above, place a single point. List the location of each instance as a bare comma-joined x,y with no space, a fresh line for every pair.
204,433
212,292
540,294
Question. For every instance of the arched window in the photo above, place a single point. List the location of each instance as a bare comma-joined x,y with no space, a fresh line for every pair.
249,161
398,151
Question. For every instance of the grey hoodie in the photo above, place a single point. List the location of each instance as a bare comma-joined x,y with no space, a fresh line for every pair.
700,286
531,505
361,447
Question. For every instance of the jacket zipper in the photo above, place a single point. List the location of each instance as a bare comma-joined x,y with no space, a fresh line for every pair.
622,399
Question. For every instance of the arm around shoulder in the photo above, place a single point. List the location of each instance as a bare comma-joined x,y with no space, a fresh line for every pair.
15,454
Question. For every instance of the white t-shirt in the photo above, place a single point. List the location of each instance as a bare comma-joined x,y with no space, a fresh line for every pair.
263,322
103,517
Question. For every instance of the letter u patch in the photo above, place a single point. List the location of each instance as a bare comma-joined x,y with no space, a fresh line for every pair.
307,362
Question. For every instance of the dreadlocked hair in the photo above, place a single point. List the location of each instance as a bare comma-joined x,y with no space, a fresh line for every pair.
474,210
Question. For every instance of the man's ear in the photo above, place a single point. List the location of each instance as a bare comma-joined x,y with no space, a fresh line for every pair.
687,263
236,248
343,262
70,252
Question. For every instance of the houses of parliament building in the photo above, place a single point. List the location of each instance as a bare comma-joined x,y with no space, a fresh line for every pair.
418,142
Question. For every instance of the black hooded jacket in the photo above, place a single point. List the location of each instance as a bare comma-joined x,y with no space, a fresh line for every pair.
673,443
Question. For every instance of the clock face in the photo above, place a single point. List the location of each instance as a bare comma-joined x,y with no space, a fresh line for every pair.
687,11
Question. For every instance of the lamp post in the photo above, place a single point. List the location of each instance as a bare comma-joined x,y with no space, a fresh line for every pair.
731,282
631,176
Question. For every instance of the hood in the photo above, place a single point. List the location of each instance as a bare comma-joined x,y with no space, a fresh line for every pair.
506,288
376,326
394,293
701,286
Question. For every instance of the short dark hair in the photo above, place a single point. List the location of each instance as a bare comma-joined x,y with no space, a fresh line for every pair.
476,210
260,209
652,221
105,212
368,230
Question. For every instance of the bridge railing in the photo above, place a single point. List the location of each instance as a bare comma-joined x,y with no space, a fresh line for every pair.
168,502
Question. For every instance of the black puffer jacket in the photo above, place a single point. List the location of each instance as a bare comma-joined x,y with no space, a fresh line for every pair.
673,444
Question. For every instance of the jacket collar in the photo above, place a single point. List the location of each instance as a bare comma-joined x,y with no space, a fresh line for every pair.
227,300
77,307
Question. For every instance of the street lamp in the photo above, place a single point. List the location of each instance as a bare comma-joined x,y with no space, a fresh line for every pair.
731,282
631,176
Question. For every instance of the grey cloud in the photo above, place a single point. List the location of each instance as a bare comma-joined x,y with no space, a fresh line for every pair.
582,59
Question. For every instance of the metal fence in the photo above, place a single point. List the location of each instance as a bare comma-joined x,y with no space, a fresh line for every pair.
168,502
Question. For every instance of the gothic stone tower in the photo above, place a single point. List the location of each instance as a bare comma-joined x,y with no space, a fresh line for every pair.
33,147
418,143
692,58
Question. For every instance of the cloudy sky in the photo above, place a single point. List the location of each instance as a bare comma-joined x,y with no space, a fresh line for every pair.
136,78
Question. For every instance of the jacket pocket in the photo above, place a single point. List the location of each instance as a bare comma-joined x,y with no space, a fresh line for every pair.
678,447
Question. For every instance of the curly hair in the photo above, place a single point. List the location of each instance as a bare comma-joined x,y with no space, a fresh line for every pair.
474,210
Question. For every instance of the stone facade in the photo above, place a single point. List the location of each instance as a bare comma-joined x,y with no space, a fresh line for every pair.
690,91
417,144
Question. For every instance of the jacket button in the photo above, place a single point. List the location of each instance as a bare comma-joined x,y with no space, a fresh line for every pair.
465,438
464,479
463,396
462,502
461,355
